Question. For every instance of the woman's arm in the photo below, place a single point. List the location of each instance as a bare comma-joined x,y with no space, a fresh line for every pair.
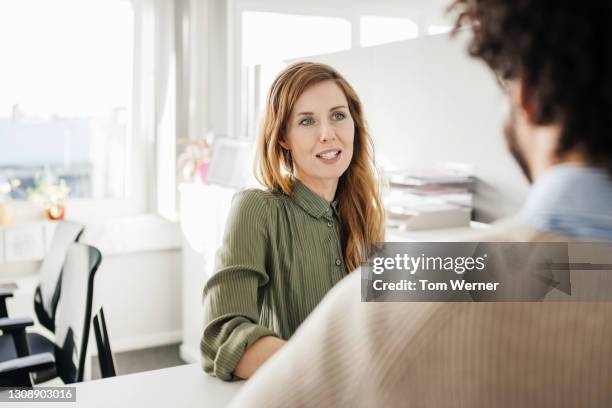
231,295
256,355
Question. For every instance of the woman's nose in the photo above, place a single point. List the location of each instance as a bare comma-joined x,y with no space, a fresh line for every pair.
327,133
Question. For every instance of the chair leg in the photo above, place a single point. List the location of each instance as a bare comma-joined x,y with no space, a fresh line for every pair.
3,309
20,339
18,380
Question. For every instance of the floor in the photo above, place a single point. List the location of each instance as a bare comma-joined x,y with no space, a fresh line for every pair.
143,360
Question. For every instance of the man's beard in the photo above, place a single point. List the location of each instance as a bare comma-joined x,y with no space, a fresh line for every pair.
512,143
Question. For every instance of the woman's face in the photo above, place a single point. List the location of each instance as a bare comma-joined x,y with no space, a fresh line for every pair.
320,134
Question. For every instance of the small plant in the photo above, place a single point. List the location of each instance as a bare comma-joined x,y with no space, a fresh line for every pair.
50,192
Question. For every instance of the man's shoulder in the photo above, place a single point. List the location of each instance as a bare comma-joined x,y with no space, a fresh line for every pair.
348,291
343,309
346,295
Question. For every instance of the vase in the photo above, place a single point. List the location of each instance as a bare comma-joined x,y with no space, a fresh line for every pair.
55,212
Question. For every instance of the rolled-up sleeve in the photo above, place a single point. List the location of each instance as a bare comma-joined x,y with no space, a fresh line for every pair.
231,307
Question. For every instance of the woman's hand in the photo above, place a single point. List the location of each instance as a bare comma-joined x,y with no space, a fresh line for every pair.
256,355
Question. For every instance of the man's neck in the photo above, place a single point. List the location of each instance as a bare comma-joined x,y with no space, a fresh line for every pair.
574,157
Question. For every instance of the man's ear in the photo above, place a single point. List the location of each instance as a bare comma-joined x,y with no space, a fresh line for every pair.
523,100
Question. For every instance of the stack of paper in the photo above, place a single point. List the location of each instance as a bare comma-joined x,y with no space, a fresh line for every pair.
439,197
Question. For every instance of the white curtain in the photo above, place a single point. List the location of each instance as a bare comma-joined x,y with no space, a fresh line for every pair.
171,91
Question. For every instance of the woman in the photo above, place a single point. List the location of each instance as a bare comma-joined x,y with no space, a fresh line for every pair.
284,248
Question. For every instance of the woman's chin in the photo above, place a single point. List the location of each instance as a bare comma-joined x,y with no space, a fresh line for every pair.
326,172
331,174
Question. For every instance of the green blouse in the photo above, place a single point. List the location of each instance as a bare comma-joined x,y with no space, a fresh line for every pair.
280,255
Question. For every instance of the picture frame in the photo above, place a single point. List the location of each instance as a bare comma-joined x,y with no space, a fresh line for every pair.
231,163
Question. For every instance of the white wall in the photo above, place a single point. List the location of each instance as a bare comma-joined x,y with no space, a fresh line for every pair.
139,280
141,295
426,101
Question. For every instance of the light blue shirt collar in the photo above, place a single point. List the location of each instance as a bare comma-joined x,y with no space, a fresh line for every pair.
571,200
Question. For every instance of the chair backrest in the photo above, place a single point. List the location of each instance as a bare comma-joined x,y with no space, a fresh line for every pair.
73,316
48,292
108,368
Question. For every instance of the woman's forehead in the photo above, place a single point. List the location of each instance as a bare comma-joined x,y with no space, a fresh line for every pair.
320,97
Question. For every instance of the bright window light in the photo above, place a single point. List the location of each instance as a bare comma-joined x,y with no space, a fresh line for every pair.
273,37
66,82
375,30
438,29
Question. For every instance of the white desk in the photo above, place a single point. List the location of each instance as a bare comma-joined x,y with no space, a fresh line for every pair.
182,386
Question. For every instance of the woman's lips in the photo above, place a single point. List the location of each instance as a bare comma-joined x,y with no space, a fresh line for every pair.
330,157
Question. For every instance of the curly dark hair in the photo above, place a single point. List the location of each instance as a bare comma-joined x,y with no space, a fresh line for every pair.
562,52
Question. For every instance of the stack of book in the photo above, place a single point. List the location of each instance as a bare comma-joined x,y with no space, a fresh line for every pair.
427,198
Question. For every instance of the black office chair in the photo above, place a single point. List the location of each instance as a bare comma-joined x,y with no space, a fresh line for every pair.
105,354
49,289
46,296
66,357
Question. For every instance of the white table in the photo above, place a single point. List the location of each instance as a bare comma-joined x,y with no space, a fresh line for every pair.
182,386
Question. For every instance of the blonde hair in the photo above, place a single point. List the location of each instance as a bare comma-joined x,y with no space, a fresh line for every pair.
359,203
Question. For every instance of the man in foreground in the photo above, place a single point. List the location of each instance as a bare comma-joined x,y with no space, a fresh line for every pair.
555,60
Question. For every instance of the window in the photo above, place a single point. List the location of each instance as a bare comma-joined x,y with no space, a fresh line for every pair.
264,35
65,105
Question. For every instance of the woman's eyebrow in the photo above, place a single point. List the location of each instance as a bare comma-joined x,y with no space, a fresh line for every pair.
310,113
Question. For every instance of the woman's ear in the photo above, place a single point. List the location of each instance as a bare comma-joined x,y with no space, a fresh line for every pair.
284,144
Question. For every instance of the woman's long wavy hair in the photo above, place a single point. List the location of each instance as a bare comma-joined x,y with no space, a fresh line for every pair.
359,202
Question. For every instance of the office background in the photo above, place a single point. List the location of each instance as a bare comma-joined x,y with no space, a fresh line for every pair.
107,94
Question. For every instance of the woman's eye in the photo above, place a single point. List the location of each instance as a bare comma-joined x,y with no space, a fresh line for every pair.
338,116
307,122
